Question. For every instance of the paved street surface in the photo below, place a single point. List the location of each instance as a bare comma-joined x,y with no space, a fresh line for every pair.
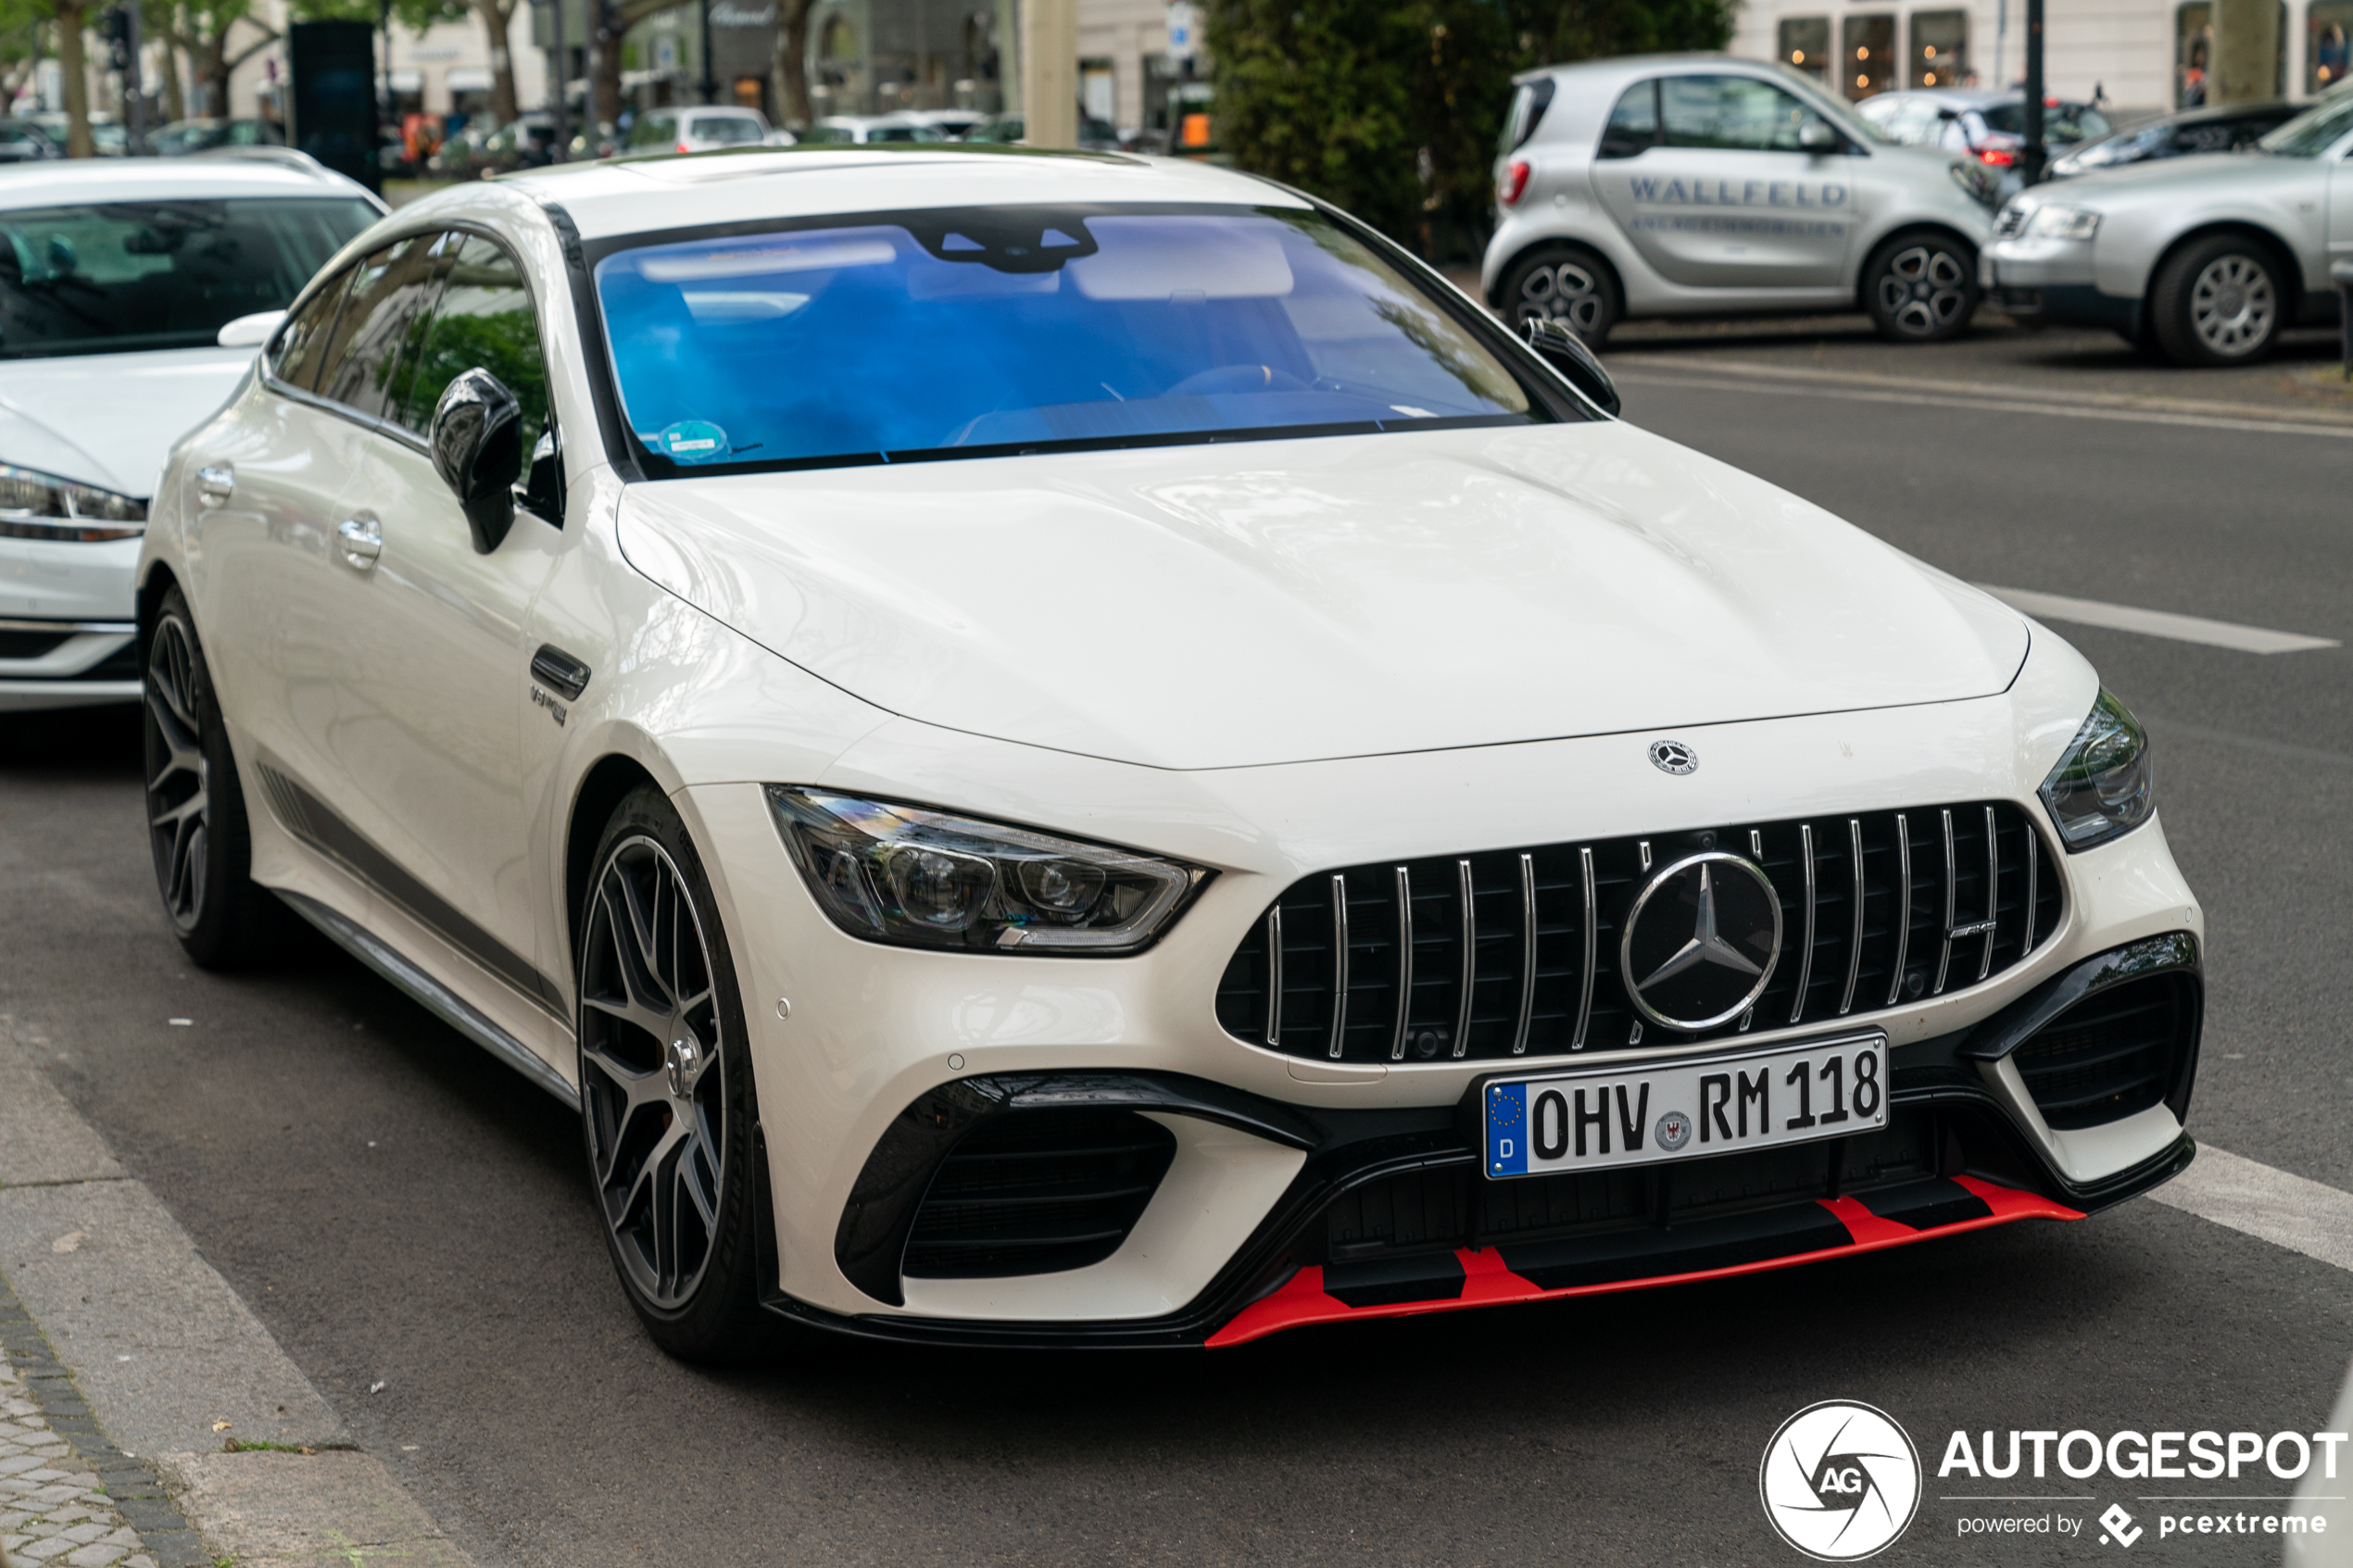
396,1209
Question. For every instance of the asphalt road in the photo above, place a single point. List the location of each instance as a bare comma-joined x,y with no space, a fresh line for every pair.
396,1207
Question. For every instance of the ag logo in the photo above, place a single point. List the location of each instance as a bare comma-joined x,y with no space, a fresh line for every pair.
1841,1481
1674,1131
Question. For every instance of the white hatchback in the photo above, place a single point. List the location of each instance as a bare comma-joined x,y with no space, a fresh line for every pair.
1066,748
117,278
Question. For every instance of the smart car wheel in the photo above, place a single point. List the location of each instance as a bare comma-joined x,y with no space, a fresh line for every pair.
1565,284
1921,288
665,1091
2217,303
195,811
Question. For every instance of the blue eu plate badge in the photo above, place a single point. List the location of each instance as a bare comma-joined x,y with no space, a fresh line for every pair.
1507,1129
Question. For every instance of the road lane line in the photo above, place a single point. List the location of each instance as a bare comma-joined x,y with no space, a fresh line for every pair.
1991,405
2156,622
2253,1198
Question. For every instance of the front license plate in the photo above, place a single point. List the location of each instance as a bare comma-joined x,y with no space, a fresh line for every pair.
1596,1118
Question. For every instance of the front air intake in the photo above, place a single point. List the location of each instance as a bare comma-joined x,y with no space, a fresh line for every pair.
1036,1192
2112,1054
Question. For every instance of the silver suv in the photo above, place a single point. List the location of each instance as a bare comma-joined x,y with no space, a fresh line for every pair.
1697,184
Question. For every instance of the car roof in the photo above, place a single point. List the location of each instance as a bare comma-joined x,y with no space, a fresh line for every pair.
1625,67
79,182
649,195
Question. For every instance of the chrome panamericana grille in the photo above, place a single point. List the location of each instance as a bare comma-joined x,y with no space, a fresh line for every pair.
1514,952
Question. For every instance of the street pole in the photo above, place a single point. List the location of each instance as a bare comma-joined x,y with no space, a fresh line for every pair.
1050,72
2030,155
710,80
135,111
391,109
563,143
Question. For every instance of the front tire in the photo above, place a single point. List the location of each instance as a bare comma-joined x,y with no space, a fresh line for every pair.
666,1103
2217,302
1568,284
195,809
1921,288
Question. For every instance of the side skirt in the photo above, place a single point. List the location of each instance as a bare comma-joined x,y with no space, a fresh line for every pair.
429,994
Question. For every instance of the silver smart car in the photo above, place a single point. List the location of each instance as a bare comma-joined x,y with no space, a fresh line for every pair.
1698,184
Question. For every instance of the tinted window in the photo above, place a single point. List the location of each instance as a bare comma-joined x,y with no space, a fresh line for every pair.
1634,124
2067,122
1032,325
366,352
302,342
729,128
1729,112
484,321
132,275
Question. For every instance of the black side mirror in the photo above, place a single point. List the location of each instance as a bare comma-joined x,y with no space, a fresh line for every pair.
477,449
1567,353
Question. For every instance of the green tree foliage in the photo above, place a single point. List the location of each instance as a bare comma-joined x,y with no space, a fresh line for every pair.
1390,108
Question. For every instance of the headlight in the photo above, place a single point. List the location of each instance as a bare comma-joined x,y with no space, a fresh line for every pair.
892,872
41,505
2102,786
2054,222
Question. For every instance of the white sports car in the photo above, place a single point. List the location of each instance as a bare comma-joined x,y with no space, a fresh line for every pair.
1070,749
123,284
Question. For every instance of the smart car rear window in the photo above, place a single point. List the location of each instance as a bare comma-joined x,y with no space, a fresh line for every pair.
121,276
975,331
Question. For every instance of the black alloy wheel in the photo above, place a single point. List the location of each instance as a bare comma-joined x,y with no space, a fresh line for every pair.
2218,301
1568,284
195,811
666,1105
1921,288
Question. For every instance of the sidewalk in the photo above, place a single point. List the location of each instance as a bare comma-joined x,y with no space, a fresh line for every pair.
150,1420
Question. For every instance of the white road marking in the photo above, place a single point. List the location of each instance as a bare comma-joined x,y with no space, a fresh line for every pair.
1862,391
2286,1211
2157,622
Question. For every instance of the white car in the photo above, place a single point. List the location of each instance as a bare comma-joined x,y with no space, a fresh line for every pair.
1063,750
704,130
117,280
1699,184
2207,258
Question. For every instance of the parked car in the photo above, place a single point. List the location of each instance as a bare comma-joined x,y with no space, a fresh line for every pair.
1701,185
1002,130
127,297
740,756
852,130
2206,258
23,141
108,136
1990,127
954,124
464,153
184,136
700,129
2177,135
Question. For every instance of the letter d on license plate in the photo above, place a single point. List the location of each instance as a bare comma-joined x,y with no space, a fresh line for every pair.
1684,1110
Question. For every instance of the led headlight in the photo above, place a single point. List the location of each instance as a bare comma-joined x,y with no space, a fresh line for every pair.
2054,222
893,873
41,505
2102,786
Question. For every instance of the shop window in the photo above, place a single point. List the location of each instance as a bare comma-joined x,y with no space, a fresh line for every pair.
1803,43
2328,24
1940,48
1866,55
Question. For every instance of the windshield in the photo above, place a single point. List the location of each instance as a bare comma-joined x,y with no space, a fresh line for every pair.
958,332
2061,122
1836,110
2314,131
132,275
733,130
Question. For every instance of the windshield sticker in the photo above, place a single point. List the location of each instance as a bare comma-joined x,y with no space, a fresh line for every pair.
692,440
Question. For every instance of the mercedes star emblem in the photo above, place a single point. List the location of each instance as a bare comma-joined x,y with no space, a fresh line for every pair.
1700,941
1674,757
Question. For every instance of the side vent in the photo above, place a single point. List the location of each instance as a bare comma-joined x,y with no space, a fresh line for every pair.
1037,1192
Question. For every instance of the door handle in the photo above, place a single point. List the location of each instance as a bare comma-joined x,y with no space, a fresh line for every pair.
362,542
215,484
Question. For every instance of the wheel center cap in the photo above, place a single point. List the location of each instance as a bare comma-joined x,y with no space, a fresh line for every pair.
1920,290
682,1061
2231,303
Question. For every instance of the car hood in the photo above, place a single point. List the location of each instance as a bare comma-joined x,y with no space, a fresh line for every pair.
109,420
2166,179
1225,606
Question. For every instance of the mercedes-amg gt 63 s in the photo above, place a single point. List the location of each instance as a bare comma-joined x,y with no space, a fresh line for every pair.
1066,749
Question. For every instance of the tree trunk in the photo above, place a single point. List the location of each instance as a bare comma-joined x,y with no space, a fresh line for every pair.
604,63
499,23
175,103
789,69
76,71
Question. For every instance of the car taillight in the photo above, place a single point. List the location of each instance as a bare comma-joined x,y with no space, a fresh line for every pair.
1515,183
2000,157
684,148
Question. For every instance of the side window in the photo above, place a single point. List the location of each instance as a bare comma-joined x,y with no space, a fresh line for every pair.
368,355
303,344
651,132
1734,112
484,320
1634,124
